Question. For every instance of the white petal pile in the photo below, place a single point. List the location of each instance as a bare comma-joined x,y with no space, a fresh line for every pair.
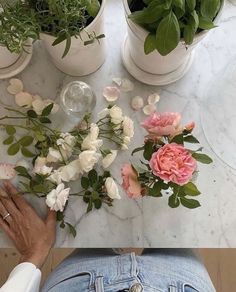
7,171
111,93
137,103
25,99
16,86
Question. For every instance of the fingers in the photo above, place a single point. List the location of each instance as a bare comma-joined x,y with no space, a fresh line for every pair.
51,219
15,196
8,203
4,212
5,227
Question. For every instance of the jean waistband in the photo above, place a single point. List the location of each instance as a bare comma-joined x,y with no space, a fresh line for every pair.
109,268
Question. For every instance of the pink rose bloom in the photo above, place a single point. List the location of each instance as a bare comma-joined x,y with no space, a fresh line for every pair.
130,181
173,163
163,124
190,127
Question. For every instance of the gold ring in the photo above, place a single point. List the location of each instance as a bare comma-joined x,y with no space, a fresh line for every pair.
6,216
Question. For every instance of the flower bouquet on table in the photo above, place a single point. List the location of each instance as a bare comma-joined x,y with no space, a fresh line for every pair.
168,166
58,158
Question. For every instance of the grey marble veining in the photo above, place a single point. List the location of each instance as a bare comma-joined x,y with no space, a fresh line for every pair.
149,222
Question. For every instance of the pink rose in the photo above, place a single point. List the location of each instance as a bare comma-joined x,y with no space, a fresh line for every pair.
130,181
163,124
190,127
173,163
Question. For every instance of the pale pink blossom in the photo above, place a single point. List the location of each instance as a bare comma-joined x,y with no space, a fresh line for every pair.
173,163
130,182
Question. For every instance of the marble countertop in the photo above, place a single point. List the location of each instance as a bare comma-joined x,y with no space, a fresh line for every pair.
149,222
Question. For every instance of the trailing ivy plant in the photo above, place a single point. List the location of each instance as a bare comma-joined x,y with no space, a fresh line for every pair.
62,19
170,20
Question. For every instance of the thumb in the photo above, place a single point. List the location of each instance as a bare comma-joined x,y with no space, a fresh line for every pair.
51,219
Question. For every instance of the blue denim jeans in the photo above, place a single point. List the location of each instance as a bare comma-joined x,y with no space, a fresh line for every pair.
154,271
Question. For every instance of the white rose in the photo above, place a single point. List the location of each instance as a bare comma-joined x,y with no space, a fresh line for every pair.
88,159
57,198
38,106
55,177
91,142
71,171
54,155
128,127
109,159
40,166
116,115
102,114
112,189
126,142
66,141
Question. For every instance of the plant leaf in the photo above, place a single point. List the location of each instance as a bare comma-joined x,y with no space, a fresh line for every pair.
189,203
32,114
72,229
203,158
44,120
206,23
26,152
191,139
9,140
85,182
13,149
173,201
191,189
26,141
150,43
209,8
47,110
10,130
167,34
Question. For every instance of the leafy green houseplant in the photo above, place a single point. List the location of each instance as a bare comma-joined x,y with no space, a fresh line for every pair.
61,24
170,21
163,34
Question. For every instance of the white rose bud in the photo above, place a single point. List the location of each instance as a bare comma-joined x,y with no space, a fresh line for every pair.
112,189
57,198
54,155
128,127
109,159
40,166
116,115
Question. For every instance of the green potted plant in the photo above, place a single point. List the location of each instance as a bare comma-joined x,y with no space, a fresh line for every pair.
162,36
17,29
72,33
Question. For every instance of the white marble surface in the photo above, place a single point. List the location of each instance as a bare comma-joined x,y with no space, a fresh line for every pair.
150,222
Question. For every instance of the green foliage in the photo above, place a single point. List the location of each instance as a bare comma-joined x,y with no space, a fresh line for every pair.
169,21
62,19
94,194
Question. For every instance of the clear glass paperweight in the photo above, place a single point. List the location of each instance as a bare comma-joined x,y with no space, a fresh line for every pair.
77,99
218,114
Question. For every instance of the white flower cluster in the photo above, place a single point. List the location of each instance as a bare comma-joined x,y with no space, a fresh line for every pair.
120,122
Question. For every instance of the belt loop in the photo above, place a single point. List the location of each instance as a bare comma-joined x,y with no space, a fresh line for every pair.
99,287
134,267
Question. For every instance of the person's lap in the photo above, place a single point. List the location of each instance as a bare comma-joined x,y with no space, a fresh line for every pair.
156,270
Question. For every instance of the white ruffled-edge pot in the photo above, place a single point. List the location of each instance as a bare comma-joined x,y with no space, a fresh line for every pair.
7,58
154,68
81,60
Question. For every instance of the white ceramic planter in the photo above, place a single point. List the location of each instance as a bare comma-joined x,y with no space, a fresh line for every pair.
154,63
7,58
81,60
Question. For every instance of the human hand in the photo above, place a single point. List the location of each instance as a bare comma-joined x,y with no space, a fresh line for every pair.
33,237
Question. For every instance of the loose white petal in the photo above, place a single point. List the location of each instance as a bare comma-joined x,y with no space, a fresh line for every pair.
16,86
24,99
36,97
137,103
153,98
117,81
111,93
38,106
127,85
7,171
149,109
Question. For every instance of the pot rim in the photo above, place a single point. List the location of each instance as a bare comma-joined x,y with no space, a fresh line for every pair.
87,27
144,31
